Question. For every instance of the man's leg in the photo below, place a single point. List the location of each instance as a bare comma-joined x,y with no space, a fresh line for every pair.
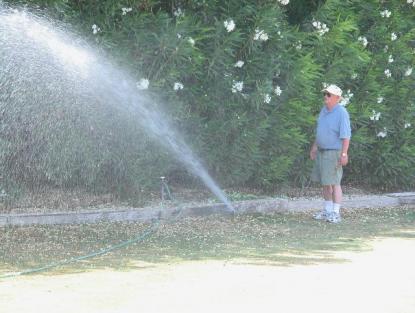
328,192
328,197
337,197
328,203
334,215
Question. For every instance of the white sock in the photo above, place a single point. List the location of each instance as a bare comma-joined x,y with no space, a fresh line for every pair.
328,206
336,208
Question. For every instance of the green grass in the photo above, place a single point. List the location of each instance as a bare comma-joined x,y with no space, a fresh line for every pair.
279,239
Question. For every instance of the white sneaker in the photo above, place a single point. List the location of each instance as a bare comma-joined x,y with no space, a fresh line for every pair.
322,215
333,217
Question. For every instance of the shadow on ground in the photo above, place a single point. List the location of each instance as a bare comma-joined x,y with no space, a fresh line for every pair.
279,239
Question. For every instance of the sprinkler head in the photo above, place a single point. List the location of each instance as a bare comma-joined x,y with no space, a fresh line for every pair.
230,208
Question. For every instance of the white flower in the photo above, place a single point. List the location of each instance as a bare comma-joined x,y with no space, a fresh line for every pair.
239,64
390,60
178,86
260,35
299,46
178,13
393,37
386,48
363,40
126,10
385,13
229,25
408,70
284,2
388,73
321,27
179,36
346,98
264,37
354,76
237,86
95,29
324,29
191,41
267,98
380,99
407,125
375,116
143,84
383,133
278,91
411,2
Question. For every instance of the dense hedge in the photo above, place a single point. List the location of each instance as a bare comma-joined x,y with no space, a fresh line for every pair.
251,73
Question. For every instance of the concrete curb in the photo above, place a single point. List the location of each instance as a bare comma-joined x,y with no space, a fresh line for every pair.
242,207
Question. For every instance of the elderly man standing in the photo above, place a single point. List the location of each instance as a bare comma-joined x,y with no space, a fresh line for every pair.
329,151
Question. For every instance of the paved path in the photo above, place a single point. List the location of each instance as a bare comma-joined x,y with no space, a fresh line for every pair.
241,207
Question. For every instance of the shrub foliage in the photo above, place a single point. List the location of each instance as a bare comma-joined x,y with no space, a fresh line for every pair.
251,73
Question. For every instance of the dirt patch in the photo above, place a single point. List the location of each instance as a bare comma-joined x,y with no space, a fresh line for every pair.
58,200
316,192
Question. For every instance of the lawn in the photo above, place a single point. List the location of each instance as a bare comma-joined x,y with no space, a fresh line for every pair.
250,258
278,239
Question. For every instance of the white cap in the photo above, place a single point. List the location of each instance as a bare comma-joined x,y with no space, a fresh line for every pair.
334,90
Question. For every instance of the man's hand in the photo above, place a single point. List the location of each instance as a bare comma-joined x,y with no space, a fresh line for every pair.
344,159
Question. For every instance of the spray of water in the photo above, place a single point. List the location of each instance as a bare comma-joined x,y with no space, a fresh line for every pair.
43,62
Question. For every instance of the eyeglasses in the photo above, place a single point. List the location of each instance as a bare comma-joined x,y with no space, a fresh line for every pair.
328,95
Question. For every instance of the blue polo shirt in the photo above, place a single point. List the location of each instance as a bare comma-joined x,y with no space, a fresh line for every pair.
332,127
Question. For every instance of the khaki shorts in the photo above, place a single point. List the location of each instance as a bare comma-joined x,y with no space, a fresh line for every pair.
327,170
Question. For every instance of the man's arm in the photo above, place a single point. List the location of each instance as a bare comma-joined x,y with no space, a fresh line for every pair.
313,151
344,157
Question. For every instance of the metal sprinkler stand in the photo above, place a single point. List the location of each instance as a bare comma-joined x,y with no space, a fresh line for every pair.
165,191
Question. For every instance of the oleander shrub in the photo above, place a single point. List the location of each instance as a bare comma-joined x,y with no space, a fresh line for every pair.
241,81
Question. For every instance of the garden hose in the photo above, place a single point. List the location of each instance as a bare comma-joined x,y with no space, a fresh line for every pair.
150,230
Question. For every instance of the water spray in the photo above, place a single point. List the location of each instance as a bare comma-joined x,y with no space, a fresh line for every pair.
59,67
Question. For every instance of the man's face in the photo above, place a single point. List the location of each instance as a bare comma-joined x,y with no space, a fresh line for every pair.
330,99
